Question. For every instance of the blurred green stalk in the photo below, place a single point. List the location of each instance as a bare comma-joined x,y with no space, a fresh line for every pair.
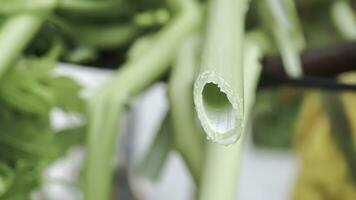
281,17
23,20
344,19
15,34
188,137
106,106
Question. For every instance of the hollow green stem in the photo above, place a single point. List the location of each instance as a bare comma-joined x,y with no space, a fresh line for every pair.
218,90
106,105
221,169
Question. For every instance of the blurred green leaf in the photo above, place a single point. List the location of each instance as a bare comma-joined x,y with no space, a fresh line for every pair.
274,117
157,154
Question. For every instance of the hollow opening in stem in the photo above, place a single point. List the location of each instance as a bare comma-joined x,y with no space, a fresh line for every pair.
218,108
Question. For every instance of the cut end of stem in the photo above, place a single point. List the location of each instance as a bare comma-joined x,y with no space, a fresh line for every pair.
218,110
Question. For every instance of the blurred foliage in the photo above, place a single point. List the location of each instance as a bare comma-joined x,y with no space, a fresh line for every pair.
28,143
318,26
274,116
83,31
324,173
98,26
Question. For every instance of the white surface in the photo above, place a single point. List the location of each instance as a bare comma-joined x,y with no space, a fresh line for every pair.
266,174
62,177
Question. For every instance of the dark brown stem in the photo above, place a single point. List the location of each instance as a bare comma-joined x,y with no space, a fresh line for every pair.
320,66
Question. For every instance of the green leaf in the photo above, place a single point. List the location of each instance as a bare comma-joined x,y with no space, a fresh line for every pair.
154,160
66,92
27,141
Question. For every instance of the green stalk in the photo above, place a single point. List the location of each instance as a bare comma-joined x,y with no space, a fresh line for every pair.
91,7
218,90
100,36
16,32
344,19
11,7
188,138
281,17
220,175
109,36
106,105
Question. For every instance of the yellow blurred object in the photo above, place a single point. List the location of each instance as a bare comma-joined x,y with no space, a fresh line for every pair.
324,174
